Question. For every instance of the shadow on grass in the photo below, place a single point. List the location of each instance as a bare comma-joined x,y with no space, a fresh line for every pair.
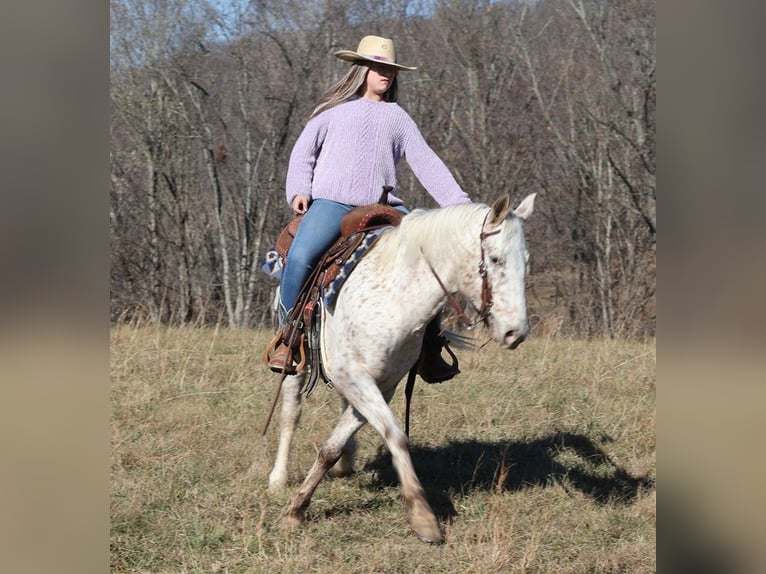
571,460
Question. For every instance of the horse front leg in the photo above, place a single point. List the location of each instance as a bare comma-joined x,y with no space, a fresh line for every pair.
288,422
374,407
349,422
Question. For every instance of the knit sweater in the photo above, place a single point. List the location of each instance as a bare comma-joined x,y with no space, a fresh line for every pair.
349,152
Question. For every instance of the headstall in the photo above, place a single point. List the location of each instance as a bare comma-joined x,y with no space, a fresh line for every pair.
486,290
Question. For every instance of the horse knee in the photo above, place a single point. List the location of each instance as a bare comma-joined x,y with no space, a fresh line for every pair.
328,456
397,441
291,402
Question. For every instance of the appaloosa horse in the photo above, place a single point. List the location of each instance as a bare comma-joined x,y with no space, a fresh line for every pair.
373,334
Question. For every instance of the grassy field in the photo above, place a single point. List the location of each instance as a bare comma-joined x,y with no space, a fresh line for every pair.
539,460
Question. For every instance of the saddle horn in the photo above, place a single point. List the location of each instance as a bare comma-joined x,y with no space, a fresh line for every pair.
384,195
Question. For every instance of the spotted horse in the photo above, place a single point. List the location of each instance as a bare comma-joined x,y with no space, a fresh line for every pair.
373,333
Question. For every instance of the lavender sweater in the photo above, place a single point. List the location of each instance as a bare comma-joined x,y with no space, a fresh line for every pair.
348,153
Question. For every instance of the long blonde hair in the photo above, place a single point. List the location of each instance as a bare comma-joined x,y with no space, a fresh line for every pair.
351,85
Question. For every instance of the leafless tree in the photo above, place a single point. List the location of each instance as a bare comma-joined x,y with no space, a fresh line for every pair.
590,67
555,96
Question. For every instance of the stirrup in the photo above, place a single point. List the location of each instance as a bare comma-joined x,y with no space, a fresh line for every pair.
434,369
275,344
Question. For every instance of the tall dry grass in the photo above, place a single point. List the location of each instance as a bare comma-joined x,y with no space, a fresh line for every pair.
537,460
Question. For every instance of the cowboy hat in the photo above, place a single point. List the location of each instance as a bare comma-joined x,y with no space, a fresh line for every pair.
374,49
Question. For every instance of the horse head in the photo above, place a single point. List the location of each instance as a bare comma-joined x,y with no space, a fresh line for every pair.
503,270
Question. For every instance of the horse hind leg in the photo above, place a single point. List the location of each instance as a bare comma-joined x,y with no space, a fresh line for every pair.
288,422
349,422
345,464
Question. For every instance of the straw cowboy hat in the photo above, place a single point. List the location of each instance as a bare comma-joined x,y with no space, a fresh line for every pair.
374,49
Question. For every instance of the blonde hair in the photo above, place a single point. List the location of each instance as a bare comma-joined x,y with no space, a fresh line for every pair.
350,86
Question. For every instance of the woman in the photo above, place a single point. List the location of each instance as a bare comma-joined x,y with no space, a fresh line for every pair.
347,152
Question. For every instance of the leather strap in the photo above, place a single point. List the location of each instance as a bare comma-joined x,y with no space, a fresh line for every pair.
408,397
486,290
273,404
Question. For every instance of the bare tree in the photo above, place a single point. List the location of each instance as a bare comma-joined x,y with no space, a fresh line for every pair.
594,91
556,96
141,122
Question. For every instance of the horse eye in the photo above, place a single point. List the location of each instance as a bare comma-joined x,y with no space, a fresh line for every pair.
494,260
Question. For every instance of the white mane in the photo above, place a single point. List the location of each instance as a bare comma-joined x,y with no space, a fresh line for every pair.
434,230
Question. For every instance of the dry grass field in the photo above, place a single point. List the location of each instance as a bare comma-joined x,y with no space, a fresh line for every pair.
539,460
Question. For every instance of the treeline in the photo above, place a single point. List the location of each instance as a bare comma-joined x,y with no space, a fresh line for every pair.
553,96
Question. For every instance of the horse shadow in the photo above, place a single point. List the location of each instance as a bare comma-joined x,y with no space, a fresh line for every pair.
574,461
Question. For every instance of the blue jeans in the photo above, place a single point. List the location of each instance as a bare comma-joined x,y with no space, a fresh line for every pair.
317,232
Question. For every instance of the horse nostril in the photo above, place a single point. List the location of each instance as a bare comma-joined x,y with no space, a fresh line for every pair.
514,339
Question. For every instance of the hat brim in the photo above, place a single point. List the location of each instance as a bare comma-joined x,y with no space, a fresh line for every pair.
351,56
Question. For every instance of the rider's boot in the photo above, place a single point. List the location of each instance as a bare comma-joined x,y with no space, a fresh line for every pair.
280,360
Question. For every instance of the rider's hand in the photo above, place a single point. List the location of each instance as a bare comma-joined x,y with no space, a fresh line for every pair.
300,204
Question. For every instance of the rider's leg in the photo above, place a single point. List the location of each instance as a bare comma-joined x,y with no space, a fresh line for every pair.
318,230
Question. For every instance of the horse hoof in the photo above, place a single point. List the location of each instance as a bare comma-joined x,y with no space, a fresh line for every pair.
276,489
293,520
277,486
427,529
340,472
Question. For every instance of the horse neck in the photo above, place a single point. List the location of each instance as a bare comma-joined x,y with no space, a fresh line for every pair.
448,240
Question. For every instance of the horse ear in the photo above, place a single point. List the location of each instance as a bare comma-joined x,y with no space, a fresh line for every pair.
526,207
500,210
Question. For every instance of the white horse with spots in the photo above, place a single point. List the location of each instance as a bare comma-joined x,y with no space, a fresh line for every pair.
373,335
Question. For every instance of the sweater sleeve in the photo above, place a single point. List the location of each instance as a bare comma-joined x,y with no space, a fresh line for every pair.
303,159
430,170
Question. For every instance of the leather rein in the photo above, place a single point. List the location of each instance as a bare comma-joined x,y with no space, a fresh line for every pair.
486,290
486,307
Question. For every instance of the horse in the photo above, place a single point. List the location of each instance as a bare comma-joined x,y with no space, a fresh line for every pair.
372,335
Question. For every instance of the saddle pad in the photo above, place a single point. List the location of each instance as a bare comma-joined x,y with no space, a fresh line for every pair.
330,293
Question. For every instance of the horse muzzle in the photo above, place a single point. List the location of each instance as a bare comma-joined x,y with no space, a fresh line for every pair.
515,337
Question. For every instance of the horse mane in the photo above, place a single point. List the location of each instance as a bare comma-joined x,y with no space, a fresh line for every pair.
433,230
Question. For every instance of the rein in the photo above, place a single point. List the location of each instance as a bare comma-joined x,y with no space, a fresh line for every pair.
486,307
486,290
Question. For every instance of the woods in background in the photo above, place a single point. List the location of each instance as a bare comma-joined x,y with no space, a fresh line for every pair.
554,96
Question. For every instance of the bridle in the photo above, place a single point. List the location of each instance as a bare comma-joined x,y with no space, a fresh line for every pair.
486,290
